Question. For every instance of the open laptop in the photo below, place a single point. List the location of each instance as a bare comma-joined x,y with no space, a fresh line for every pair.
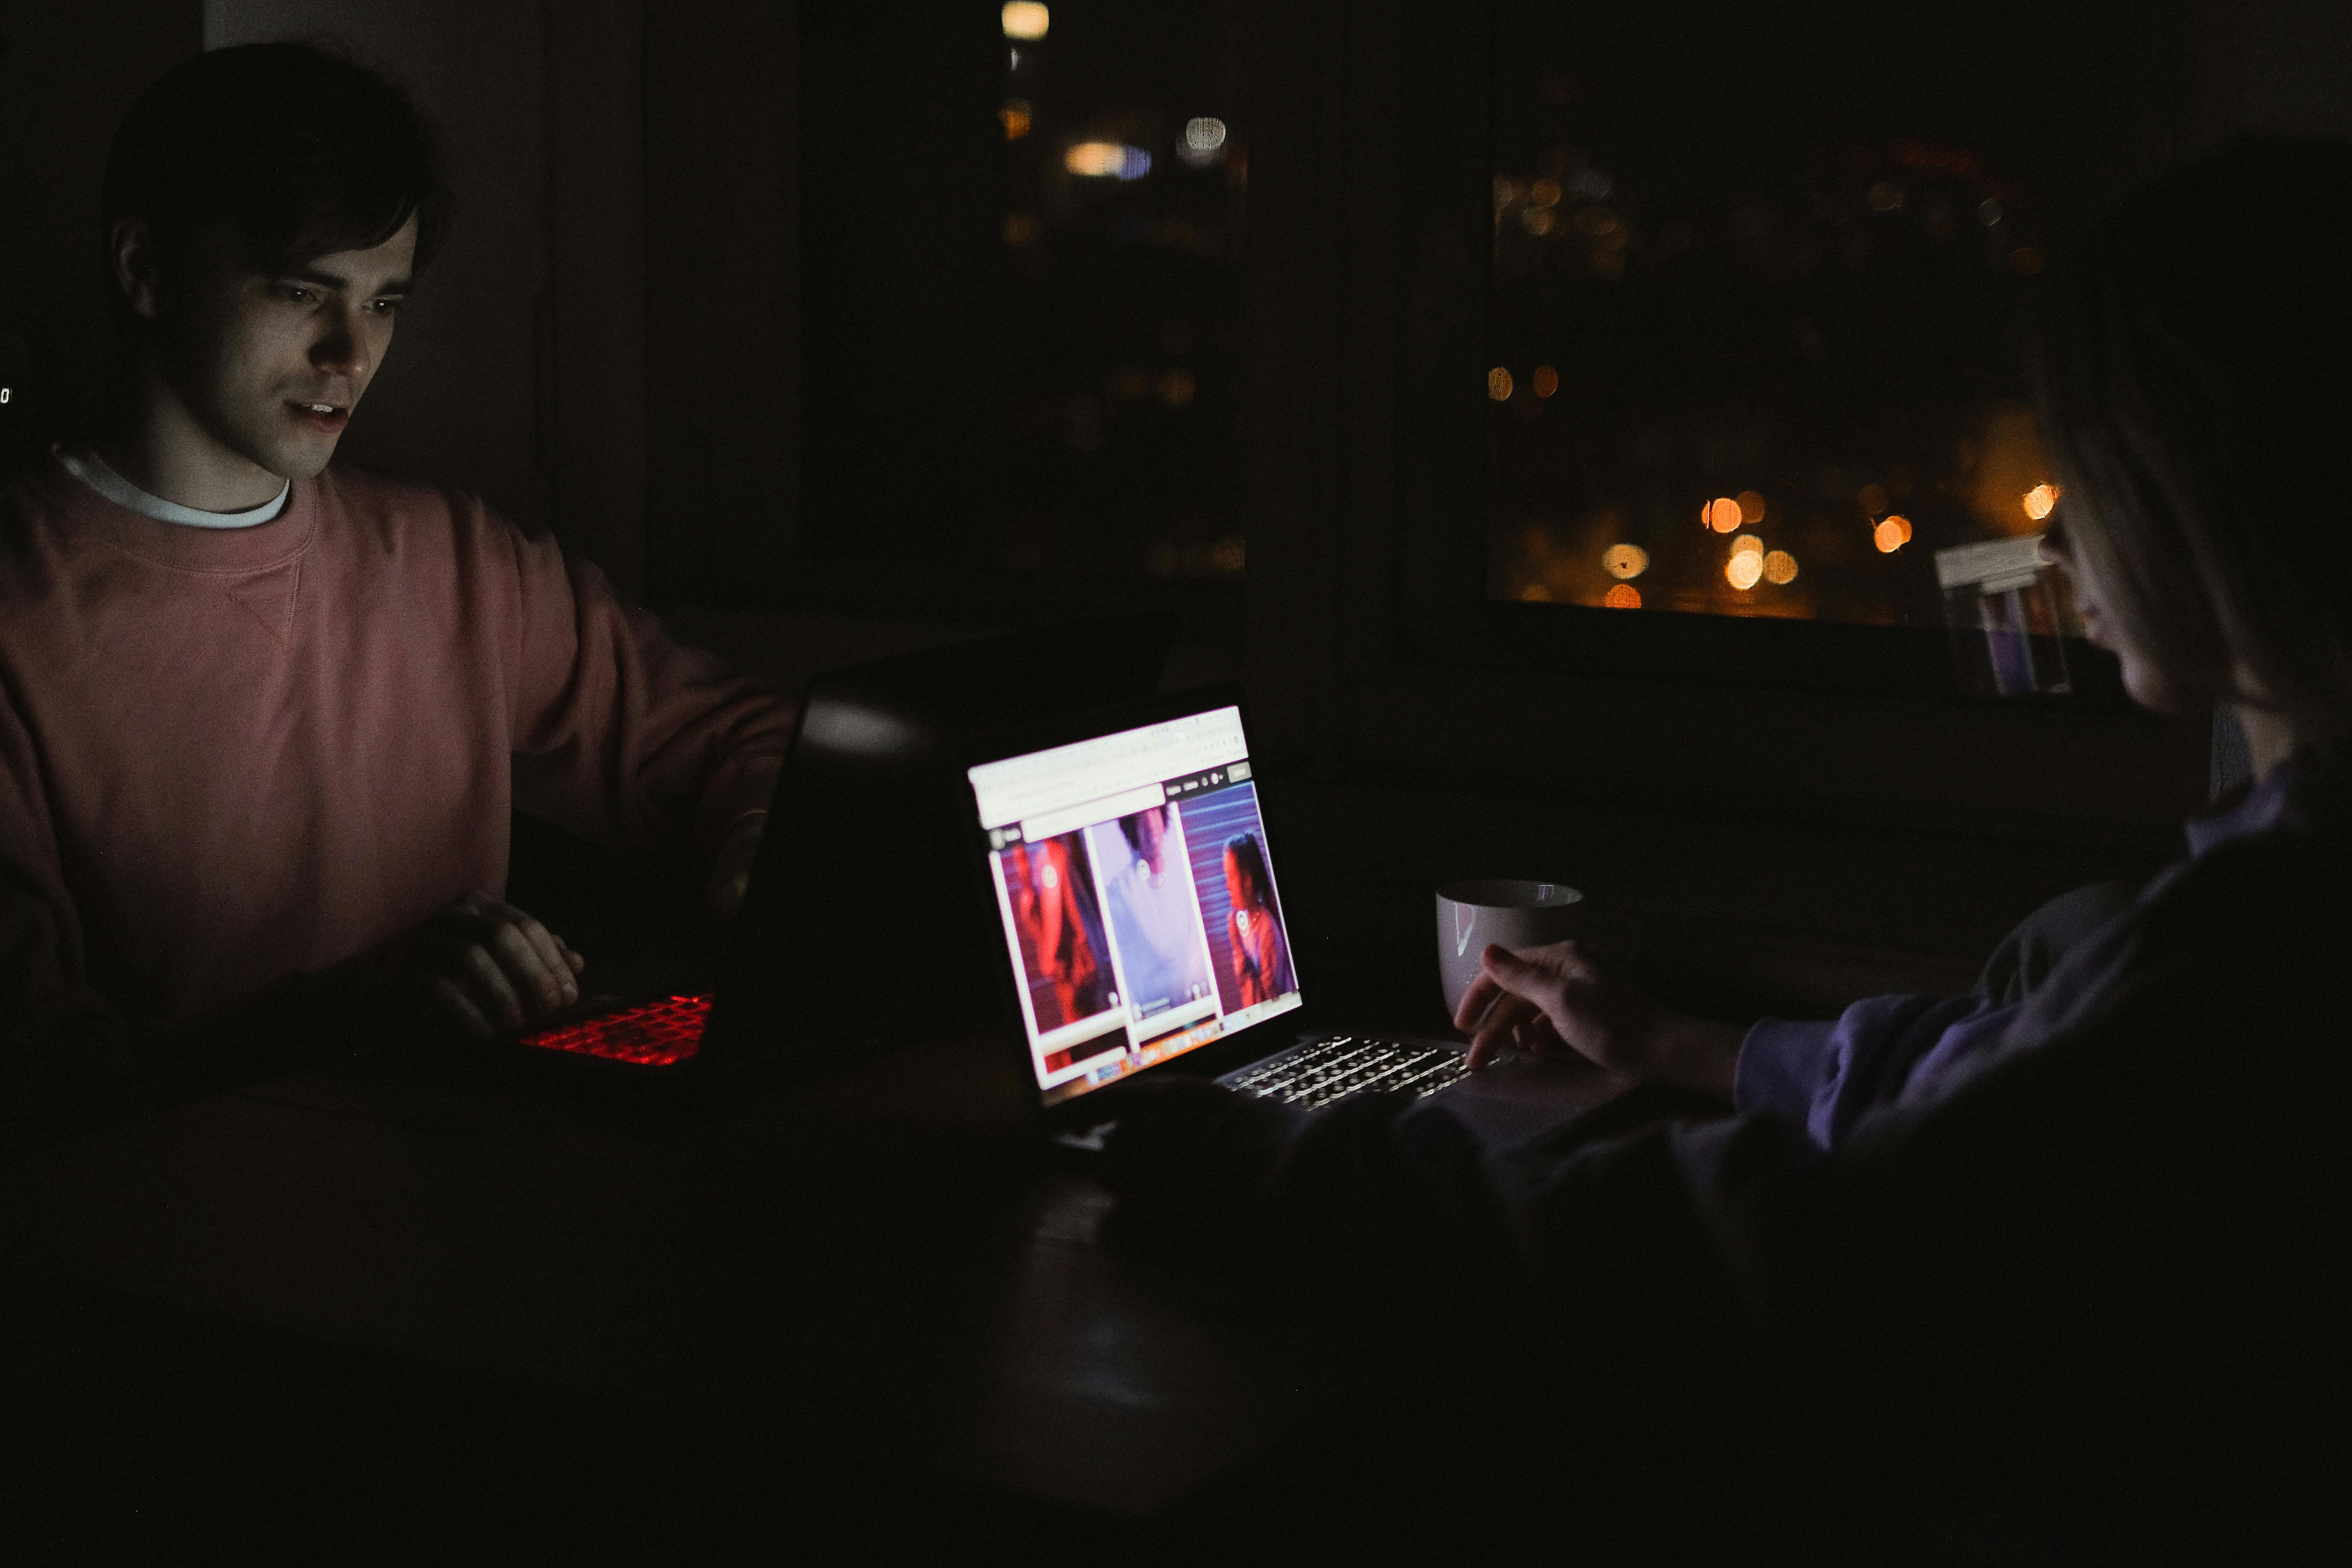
863,829
1141,924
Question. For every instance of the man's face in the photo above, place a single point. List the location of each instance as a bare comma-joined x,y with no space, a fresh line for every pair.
271,365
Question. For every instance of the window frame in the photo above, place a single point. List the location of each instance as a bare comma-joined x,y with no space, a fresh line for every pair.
1368,278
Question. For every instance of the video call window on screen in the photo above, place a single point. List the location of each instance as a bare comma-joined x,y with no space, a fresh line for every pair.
1137,897
1759,283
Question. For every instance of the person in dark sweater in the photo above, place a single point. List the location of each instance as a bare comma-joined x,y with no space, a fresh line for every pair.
2060,1277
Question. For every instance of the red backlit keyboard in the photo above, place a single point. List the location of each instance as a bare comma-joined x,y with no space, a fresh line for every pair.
658,1034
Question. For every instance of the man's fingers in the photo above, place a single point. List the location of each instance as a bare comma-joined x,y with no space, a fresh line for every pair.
487,983
537,975
458,1005
550,950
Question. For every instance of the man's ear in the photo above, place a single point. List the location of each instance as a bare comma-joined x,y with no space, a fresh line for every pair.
133,258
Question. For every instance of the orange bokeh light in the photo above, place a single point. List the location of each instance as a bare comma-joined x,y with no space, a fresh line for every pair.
1891,534
1721,514
1779,567
1024,19
1624,561
1545,382
1095,160
2039,501
1751,507
1743,569
1623,596
1015,118
1498,385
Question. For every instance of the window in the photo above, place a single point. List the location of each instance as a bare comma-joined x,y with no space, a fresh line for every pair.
1020,310
1126,180
1758,284
1379,649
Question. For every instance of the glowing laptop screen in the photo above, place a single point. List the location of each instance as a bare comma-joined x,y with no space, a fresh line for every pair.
1137,897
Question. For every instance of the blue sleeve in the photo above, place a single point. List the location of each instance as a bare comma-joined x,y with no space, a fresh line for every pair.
1827,1075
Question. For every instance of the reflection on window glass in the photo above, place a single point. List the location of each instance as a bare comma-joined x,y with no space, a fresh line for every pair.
1125,177
1755,328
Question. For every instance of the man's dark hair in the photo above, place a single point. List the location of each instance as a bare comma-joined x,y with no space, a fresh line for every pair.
299,151
2194,371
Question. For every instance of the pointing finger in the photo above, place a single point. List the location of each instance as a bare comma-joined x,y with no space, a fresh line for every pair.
1497,1029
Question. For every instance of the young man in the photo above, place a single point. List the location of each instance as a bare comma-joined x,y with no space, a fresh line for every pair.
263,721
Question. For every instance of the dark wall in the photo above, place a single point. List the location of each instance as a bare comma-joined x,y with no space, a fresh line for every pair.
723,395
902,282
67,74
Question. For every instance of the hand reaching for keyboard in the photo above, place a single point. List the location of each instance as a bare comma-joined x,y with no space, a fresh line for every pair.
1562,995
483,965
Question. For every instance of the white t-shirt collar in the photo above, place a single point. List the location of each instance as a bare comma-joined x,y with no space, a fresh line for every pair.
91,470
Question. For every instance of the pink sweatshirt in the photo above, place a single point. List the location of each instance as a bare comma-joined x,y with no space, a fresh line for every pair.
232,756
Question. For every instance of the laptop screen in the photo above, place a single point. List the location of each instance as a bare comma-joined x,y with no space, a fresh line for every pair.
1137,897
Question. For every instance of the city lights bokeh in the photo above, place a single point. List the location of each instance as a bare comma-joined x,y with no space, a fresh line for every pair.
1204,142
1626,561
1106,159
1807,335
1121,218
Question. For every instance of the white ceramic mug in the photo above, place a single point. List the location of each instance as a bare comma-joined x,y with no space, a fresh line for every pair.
1504,912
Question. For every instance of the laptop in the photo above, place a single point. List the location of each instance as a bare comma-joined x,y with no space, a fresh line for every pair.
862,828
1141,924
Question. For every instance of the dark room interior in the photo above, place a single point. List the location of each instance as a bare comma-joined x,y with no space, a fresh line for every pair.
1611,448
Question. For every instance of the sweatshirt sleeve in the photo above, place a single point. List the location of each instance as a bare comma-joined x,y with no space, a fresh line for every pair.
621,734
1826,1075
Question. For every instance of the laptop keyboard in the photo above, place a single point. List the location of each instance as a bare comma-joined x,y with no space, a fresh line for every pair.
657,1034
1333,1070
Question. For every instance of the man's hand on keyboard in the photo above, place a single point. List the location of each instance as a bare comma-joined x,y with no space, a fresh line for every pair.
482,965
1542,998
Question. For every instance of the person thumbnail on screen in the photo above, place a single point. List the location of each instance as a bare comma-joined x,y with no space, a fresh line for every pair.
1261,953
1239,906
1146,886
1065,963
